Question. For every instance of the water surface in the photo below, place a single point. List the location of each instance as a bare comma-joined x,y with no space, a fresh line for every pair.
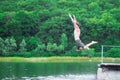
48,71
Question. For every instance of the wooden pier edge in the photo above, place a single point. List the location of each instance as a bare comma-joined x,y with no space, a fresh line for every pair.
103,68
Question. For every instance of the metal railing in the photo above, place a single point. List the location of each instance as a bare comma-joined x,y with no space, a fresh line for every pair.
102,50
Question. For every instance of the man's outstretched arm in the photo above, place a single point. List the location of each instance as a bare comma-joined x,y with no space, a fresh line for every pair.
74,21
71,17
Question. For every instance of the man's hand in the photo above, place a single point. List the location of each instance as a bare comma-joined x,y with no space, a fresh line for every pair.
73,19
70,17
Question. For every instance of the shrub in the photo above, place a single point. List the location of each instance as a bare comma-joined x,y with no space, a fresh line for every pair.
114,52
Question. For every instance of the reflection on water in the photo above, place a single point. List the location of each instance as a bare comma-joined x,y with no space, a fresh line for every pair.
48,71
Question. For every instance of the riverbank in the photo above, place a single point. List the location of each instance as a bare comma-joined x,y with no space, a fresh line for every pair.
57,59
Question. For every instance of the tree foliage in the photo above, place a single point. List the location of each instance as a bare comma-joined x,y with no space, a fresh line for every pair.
43,26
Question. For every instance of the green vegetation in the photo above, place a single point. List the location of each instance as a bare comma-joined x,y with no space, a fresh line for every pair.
33,28
57,59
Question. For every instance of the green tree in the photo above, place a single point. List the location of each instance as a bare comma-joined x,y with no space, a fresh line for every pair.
40,49
10,46
31,43
60,49
2,45
51,47
48,22
113,52
13,44
22,46
64,40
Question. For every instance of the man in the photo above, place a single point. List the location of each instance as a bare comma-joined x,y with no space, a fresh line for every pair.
79,43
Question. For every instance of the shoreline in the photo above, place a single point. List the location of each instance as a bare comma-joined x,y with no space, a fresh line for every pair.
57,59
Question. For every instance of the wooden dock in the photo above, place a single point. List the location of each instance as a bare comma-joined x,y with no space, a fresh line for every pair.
112,66
108,71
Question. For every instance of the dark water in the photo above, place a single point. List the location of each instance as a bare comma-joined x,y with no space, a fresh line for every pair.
48,71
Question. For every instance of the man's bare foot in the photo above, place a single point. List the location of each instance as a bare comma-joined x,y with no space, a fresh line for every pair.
94,42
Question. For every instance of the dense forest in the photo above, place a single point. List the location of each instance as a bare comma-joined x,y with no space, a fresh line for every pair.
43,28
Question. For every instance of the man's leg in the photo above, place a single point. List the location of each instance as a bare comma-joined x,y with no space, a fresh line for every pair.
89,44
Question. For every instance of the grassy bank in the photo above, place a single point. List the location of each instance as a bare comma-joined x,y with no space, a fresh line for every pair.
57,59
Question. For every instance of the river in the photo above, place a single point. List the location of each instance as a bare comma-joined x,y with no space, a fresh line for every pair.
48,71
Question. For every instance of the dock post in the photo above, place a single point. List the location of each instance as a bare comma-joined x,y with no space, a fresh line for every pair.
102,54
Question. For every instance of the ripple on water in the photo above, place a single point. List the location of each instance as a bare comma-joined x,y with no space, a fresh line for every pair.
62,77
